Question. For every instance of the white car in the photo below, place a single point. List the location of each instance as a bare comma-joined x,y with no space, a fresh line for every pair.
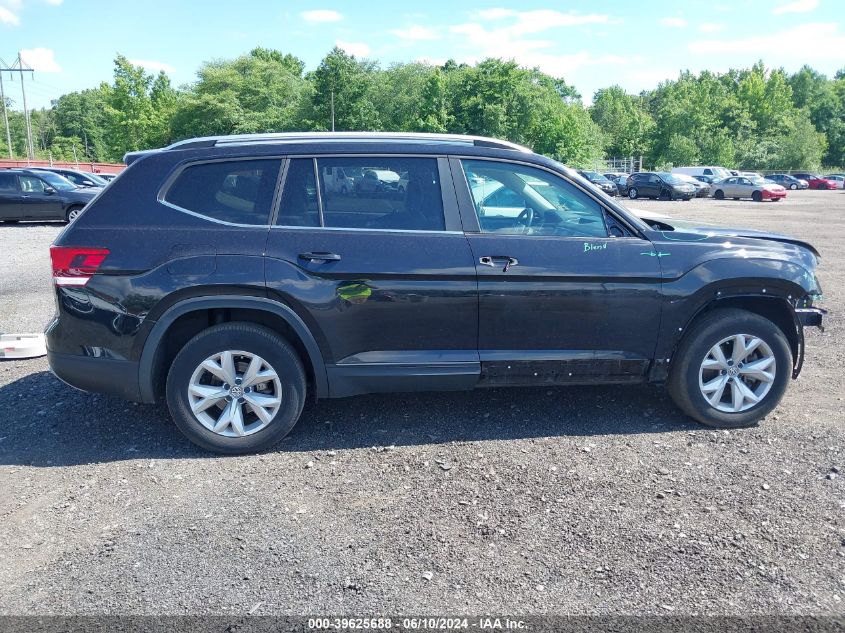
839,178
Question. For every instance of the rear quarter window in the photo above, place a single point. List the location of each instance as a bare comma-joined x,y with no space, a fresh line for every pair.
237,191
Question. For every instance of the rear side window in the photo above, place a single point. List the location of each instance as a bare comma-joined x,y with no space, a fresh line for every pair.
8,183
386,192
238,191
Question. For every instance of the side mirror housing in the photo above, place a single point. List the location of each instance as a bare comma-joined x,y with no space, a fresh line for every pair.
49,191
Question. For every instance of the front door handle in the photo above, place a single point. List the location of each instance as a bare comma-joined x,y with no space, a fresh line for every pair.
491,260
320,257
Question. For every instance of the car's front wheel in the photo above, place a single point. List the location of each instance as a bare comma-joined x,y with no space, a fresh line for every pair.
731,369
719,195
793,186
236,388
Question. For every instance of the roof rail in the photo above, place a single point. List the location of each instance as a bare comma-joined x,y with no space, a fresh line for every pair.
329,137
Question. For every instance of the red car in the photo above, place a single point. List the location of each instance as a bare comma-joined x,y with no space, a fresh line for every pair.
816,181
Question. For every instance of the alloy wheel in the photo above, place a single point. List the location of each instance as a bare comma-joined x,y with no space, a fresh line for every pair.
234,393
737,373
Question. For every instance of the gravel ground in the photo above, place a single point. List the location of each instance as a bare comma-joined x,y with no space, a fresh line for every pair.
569,501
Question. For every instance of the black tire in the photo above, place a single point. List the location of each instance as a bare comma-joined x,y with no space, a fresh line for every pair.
73,212
822,186
706,332
633,193
719,195
757,196
246,337
775,199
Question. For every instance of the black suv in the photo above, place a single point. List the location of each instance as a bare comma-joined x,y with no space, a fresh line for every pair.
32,194
222,275
659,184
79,178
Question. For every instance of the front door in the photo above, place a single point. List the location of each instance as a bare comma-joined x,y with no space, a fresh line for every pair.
566,293
383,275
36,202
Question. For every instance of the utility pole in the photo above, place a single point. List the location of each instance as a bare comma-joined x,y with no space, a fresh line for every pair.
332,110
18,67
5,115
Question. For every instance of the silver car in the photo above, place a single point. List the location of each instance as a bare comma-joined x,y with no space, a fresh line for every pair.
758,189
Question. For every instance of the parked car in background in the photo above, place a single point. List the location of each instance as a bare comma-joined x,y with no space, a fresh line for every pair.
600,181
711,171
758,189
652,184
702,189
621,182
79,178
751,174
788,181
839,179
29,194
335,180
708,179
107,177
236,320
378,180
816,181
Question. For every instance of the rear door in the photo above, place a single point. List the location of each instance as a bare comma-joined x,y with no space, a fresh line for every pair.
567,294
10,196
36,203
385,278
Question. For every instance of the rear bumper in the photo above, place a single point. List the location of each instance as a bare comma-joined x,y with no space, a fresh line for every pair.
99,375
771,195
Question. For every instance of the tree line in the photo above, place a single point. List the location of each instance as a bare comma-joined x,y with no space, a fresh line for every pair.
754,118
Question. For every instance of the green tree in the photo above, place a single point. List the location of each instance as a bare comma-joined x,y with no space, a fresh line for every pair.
624,121
343,85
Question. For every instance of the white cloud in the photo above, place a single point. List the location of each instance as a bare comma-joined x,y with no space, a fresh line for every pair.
508,39
416,33
711,27
152,65
7,17
678,22
55,3
358,49
319,16
813,41
799,6
41,59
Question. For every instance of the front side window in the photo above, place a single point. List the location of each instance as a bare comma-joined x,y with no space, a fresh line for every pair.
237,191
522,200
31,184
397,193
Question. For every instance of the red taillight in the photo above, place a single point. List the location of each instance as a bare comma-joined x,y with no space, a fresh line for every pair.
74,265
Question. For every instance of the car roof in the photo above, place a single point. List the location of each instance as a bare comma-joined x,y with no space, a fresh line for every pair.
325,142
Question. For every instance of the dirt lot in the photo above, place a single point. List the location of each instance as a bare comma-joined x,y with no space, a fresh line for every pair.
600,500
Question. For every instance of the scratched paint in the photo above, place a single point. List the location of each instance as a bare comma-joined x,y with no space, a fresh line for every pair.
656,254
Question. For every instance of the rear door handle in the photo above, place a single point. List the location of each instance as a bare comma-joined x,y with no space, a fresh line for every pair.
492,260
320,257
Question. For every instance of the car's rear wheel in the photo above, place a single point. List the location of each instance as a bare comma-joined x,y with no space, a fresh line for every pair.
719,195
633,193
73,213
236,388
757,196
731,369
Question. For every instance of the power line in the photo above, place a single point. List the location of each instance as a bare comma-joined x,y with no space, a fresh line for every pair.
18,67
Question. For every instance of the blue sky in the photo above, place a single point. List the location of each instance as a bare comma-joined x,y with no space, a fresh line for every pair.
71,43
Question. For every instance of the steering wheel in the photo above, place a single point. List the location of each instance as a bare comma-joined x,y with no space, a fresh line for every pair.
526,218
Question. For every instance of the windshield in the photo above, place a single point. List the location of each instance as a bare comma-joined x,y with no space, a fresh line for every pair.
57,182
95,178
595,176
670,179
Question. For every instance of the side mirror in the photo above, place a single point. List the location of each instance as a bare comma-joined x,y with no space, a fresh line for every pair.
49,191
87,183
